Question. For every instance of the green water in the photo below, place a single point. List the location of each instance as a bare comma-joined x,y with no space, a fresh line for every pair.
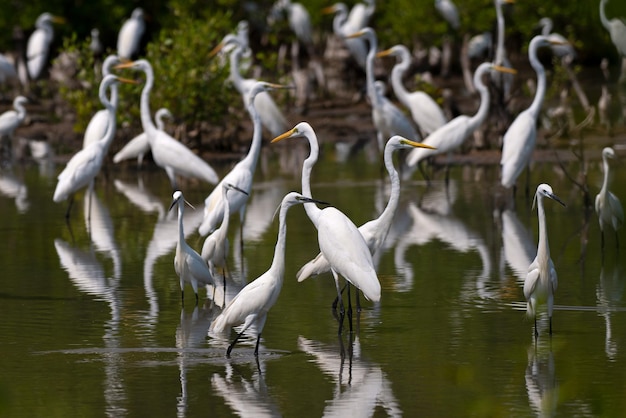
92,323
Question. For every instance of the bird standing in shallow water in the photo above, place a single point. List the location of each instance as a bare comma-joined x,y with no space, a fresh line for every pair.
189,266
254,301
541,281
608,206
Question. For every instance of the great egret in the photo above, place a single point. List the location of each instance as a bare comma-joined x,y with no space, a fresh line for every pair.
169,154
84,166
562,47
38,46
339,240
242,174
518,142
541,281
449,12
502,81
616,28
189,266
253,302
388,118
11,119
8,72
452,135
608,206
346,23
479,45
99,122
425,111
95,45
215,247
129,37
298,18
139,145
272,118
375,231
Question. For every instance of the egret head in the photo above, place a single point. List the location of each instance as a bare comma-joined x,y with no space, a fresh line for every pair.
300,130
544,190
177,197
399,142
295,198
608,152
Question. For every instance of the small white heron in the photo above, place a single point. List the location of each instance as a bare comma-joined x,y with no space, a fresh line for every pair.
129,37
608,207
38,46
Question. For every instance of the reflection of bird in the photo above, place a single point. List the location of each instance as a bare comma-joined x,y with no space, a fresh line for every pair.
518,248
247,398
452,135
339,239
84,166
215,247
100,229
616,28
129,37
13,187
271,116
561,47
99,122
608,206
39,44
139,145
11,119
188,264
449,12
388,118
169,154
242,174
541,383
519,140
425,111
375,231
254,301
541,281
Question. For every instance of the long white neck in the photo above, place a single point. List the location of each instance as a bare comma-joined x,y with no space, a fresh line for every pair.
369,67
605,22
235,75
311,208
278,262
257,136
397,73
483,108
181,230
500,46
605,182
541,77
111,108
543,249
21,111
146,119
338,21
388,213
225,219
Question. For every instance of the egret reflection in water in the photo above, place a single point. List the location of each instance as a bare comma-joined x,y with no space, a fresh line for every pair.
361,387
100,230
609,293
13,187
542,385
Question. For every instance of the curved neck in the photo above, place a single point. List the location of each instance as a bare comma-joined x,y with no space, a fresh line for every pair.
394,196
111,107
278,262
311,208
397,73
369,67
603,19
146,119
483,108
338,21
541,78
181,230
226,217
235,76
257,136
500,46
605,182
542,248
21,111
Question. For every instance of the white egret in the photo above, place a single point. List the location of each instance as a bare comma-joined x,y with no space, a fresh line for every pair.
375,231
8,72
84,166
616,28
298,18
452,135
11,119
518,142
425,111
189,266
562,47
129,37
38,46
388,118
242,174
215,247
541,281
139,146
252,304
272,118
503,81
339,239
608,206
174,157
99,122
479,45
95,45
449,12
346,23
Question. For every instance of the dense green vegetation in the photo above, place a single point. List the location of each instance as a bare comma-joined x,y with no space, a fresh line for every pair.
181,33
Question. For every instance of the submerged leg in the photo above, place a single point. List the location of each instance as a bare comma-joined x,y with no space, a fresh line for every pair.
336,301
341,308
230,347
602,239
256,348
182,296
616,239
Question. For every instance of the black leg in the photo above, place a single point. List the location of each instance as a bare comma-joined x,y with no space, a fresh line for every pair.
358,301
550,325
69,208
616,239
536,332
196,299
182,296
349,309
230,347
256,349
